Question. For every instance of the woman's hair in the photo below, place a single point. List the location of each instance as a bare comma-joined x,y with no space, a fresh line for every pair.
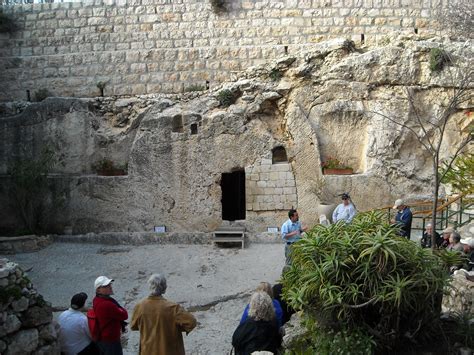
157,284
265,287
456,237
261,307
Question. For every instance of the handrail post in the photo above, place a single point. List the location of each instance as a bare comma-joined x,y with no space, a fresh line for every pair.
447,216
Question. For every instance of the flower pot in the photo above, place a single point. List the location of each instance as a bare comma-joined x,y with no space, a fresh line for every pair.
335,171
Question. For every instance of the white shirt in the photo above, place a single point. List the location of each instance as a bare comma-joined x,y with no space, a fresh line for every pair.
74,333
343,212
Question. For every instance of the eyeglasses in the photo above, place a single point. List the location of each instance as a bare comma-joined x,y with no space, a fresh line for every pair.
345,198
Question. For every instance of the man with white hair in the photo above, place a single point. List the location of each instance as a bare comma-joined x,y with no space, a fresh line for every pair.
160,321
426,239
403,218
110,317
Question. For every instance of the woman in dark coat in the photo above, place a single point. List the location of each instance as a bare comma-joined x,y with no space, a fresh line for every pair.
260,331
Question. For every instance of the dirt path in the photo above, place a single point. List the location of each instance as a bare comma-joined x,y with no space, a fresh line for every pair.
214,283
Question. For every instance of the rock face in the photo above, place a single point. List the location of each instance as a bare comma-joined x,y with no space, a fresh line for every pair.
250,150
460,298
25,318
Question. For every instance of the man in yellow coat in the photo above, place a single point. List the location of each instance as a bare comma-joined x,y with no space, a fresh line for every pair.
161,322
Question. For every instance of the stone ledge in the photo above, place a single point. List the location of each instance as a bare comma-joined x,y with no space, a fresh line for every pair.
144,238
23,244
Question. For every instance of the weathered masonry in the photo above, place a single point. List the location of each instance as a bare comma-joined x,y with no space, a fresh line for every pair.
170,46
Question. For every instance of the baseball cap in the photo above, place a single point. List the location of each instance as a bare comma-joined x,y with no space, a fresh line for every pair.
102,281
398,203
78,300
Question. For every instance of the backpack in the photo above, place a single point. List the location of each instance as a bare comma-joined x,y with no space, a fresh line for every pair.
93,324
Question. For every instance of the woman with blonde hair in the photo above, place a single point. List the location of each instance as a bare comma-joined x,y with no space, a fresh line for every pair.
260,331
267,288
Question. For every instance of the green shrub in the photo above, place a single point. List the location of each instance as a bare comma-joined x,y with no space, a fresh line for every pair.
460,329
226,98
327,341
218,5
364,276
42,94
195,87
7,24
275,74
101,86
30,188
9,292
461,173
438,59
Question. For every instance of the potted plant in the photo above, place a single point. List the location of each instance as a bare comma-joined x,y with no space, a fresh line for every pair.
333,166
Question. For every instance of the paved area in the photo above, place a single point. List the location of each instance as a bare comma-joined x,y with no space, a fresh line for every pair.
215,283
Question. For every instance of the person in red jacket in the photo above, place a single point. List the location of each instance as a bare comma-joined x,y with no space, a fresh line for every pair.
110,317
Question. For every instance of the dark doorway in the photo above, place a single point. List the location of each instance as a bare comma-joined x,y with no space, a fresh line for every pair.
279,155
233,195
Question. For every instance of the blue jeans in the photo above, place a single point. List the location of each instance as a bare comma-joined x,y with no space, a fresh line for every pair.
110,347
288,254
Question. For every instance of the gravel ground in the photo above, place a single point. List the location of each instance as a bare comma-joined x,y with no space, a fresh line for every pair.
213,282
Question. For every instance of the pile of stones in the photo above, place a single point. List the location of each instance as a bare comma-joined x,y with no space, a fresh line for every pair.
26,325
460,298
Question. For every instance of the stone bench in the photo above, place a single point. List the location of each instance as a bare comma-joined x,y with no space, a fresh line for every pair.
229,235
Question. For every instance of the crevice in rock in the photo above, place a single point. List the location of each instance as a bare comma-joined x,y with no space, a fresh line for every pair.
207,306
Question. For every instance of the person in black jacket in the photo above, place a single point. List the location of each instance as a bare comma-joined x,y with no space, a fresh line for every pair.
425,240
287,310
260,331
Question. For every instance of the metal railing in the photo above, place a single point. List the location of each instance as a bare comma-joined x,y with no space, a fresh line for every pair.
455,210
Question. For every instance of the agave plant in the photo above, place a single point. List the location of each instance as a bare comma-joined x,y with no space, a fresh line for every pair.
362,275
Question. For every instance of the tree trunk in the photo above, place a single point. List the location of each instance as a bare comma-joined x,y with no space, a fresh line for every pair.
435,203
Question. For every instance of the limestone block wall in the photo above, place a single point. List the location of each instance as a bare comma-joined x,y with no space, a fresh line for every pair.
170,46
270,186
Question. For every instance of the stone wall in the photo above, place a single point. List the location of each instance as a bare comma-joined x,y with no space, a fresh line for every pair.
23,244
270,186
460,296
26,325
149,46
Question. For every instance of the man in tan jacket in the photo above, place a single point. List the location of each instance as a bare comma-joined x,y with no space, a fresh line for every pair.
161,322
